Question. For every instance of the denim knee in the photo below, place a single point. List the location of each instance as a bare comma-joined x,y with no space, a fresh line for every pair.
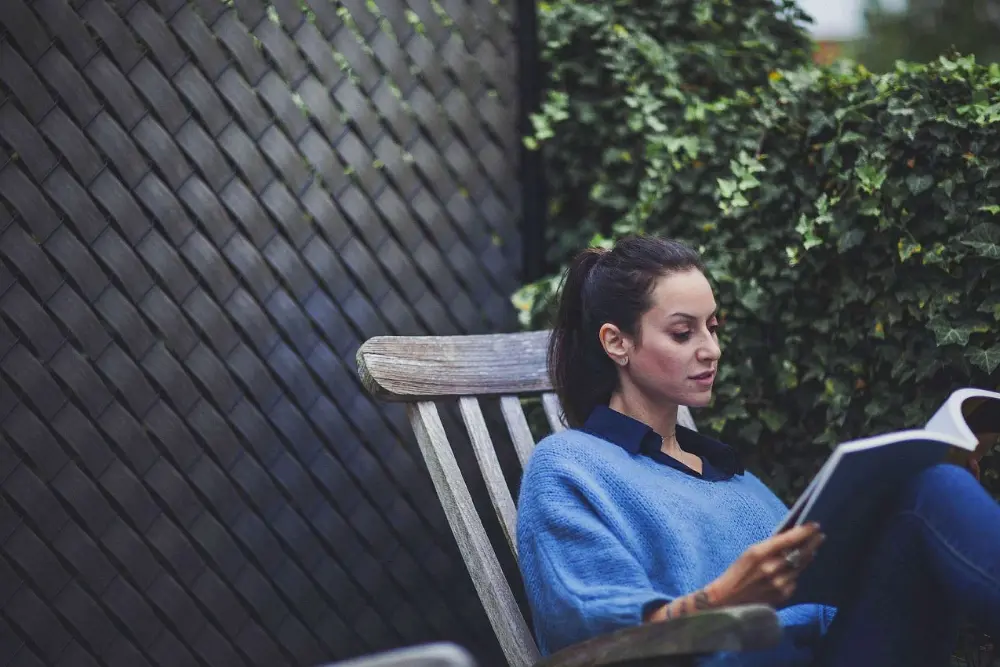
944,473
943,480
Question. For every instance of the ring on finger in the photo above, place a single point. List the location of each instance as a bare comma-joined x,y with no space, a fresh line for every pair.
794,559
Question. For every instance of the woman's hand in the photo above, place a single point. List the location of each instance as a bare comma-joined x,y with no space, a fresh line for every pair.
767,572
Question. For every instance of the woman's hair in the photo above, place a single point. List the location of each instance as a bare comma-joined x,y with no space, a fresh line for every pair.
605,286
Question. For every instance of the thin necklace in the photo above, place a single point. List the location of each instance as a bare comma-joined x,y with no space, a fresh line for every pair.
672,438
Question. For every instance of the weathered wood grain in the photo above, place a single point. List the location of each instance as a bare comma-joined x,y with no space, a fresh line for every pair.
517,426
743,628
486,456
438,654
511,629
553,412
400,368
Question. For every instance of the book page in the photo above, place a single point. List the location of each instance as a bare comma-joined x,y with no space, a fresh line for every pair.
967,412
973,415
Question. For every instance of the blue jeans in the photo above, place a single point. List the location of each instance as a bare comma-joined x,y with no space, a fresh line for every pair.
937,563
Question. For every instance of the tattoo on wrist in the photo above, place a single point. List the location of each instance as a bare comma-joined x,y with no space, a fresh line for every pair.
697,601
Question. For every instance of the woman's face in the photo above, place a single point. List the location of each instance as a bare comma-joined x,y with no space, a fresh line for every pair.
677,351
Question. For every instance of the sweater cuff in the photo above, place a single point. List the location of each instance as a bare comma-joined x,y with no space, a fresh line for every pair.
629,610
652,605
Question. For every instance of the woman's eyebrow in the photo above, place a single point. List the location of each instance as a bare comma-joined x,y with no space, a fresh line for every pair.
686,316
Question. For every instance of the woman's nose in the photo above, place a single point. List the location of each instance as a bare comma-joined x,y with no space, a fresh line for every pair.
710,351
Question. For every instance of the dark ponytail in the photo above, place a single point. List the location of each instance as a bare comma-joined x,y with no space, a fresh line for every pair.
605,286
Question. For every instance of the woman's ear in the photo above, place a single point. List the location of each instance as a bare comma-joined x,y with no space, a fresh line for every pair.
616,344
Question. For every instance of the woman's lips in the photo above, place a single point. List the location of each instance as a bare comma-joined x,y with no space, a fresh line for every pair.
705,379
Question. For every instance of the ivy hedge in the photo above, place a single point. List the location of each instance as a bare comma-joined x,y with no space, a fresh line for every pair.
850,221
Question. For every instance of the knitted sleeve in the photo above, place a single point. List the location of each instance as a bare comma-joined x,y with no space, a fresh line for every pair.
580,579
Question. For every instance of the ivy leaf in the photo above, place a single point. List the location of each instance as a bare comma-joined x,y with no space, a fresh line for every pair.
907,249
751,431
727,188
992,306
870,208
850,239
948,333
871,177
918,183
985,240
902,370
986,360
774,420
703,13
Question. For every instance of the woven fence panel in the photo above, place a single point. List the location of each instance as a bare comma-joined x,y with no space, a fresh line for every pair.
205,208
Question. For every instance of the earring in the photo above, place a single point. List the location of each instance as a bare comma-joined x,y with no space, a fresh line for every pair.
623,361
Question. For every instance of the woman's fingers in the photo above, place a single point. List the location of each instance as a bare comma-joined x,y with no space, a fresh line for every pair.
788,589
766,572
792,538
814,543
806,554
783,585
772,567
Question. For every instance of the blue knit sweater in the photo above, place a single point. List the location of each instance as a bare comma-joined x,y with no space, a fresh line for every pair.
604,534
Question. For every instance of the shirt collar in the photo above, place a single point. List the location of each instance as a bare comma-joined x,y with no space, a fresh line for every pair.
636,437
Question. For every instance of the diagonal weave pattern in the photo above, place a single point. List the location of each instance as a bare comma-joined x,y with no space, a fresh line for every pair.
205,207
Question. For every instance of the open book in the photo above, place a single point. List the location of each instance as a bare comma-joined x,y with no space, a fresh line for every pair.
851,494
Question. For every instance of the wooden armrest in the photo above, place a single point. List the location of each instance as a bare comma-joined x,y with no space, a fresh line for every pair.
438,654
738,628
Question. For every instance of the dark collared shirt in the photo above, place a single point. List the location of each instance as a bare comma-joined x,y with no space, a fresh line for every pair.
718,461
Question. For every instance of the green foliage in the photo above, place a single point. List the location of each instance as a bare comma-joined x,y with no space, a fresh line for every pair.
850,222
924,29
627,79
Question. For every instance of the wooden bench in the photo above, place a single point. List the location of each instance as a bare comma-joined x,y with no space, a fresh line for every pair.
420,370
437,654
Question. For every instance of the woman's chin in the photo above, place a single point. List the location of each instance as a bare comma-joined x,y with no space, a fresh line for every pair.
699,400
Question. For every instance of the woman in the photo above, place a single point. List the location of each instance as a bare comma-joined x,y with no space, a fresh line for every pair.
628,517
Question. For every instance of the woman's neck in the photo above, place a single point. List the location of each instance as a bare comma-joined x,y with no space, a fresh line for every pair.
660,417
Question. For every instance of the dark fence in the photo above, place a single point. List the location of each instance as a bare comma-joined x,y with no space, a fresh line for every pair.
205,208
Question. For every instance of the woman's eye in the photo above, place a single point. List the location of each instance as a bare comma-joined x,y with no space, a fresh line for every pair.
682,337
